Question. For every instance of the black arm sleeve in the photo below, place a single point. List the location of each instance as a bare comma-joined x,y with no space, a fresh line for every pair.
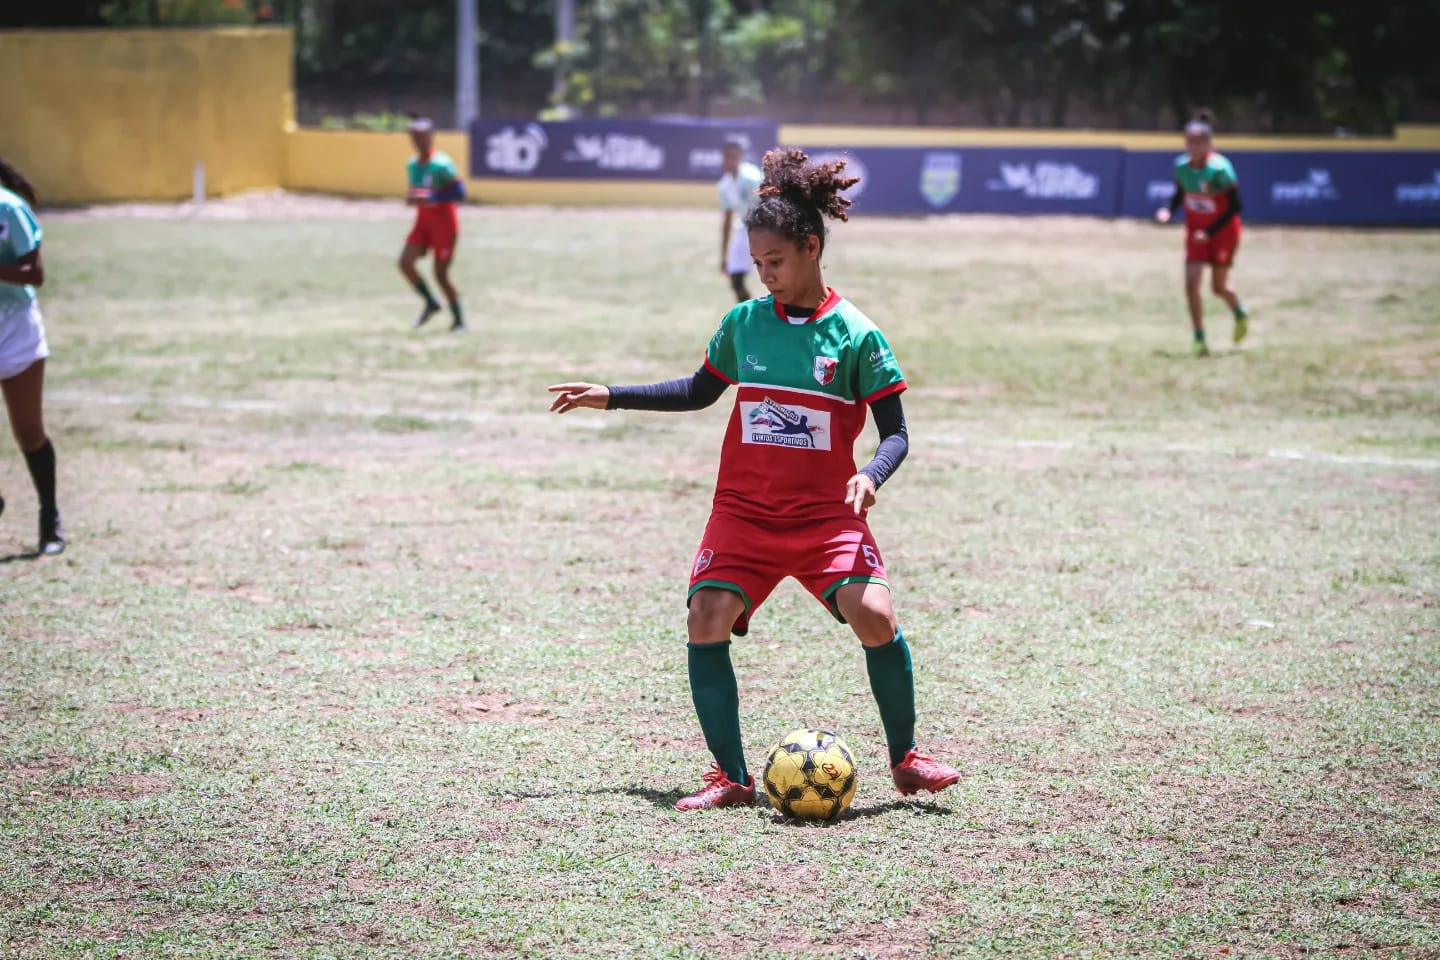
694,392
894,439
1177,197
1230,213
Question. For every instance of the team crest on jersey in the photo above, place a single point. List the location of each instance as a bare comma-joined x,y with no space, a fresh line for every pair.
703,560
825,370
780,425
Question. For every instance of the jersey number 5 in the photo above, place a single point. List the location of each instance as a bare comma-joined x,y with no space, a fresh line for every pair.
871,557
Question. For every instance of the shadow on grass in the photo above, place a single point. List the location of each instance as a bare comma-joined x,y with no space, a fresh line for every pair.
1216,353
666,799
16,557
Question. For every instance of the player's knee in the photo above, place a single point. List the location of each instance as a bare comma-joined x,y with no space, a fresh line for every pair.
1219,287
712,612
29,433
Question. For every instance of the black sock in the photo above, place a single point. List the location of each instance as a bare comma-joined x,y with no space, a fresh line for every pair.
424,291
42,470
455,312
737,283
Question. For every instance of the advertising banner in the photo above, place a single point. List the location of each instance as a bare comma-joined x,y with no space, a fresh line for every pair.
1306,186
679,149
1018,180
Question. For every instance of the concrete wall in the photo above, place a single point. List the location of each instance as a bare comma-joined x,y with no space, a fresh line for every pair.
107,115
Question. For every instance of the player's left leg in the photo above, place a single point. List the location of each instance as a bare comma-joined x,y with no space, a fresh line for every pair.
452,296
1224,245
24,400
867,608
737,283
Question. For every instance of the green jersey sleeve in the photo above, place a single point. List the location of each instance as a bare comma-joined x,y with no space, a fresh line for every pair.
879,371
19,230
720,356
442,169
1224,176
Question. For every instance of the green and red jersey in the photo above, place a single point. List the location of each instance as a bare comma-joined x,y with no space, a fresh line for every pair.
803,392
429,176
1207,188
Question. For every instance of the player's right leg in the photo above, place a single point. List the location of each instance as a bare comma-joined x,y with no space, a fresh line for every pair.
413,250
1194,274
737,283
24,400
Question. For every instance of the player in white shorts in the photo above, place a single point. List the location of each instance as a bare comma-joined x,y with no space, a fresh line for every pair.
22,344
739,185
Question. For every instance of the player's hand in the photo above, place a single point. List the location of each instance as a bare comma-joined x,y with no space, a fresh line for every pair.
570,396
1162,215
860,493
1200,236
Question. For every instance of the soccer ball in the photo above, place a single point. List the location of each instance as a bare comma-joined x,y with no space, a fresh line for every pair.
810,774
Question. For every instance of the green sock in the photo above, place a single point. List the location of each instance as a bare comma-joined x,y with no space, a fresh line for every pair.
892,681
1199,334
717,704
1240,313
455,312
424,292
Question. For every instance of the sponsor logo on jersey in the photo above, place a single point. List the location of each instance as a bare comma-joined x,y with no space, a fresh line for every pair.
515,152
703,560
617,151
1046,181
1419,194
880,359
824,370
752,362
773,423
1315,188
940,178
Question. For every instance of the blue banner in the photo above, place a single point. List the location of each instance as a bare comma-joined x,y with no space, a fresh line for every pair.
664,149
1340,187
1020,180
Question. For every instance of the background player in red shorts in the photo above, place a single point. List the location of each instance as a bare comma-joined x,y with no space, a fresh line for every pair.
435,190
1205,182
788,499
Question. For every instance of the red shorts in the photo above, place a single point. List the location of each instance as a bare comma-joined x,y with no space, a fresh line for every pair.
436,228
751,558
1217,251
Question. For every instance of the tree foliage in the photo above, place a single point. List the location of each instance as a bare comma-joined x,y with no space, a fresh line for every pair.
1133,63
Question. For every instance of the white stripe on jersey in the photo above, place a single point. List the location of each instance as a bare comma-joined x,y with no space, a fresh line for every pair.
808,393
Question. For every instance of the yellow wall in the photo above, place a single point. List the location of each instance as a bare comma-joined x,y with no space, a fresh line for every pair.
104,115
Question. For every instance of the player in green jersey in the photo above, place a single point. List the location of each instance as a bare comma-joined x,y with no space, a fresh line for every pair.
435,189
1206,184
789,502
22,344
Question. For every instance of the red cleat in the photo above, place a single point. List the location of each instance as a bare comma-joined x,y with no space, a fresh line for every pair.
720,791
918,772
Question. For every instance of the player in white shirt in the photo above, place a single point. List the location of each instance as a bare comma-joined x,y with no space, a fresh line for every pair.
739,187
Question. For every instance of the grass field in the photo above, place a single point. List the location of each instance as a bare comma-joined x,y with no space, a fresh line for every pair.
357,652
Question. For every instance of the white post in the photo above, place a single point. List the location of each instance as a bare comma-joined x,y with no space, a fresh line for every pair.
467,71
564,35
198,184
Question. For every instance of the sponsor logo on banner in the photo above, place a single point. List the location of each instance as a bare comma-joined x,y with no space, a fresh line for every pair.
825,370
1315,188
1161,190
1046,181
708,160
853,168
617,151
515,152
776,424
940,178
1423,193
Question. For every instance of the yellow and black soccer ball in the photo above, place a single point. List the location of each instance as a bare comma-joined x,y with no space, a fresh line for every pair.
810,774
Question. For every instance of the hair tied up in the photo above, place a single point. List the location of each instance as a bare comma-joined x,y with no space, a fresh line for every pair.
791,175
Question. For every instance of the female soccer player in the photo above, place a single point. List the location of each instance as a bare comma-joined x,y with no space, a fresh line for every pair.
435,189
788,499
22,344
1205,182
738,186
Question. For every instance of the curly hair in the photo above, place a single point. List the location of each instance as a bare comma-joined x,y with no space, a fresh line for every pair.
14,181
797,195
